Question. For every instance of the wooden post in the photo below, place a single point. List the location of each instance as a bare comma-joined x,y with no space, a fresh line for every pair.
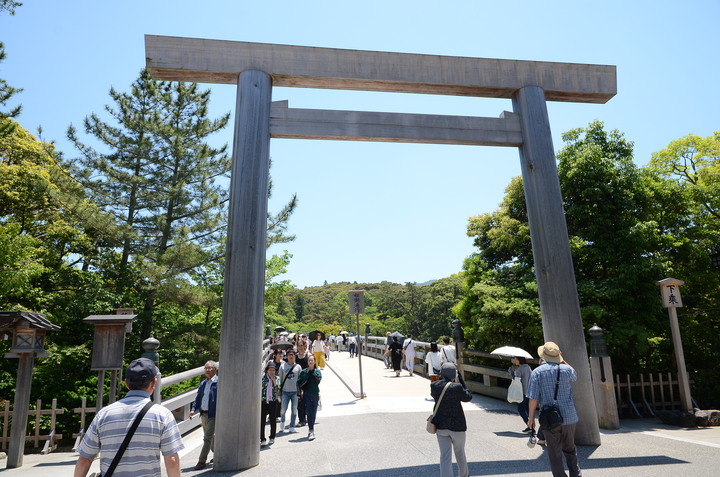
237,446
100,390
557,290
20,410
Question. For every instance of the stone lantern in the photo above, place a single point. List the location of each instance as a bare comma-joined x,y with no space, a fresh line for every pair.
27,331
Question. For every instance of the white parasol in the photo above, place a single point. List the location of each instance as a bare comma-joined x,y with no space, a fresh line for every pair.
511,352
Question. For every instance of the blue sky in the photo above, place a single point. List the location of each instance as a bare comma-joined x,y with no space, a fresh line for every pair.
373,211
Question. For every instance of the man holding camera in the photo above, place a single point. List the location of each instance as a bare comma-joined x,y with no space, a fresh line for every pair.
550,386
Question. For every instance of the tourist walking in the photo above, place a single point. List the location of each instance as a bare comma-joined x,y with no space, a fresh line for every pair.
309,382
409,352
160,435
432,359
450,419
549,384
448,354
521,369
318,350
289,373
352,345
206,403
270,385
396,350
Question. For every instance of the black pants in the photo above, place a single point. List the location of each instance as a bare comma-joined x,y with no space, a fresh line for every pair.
301,410
268,409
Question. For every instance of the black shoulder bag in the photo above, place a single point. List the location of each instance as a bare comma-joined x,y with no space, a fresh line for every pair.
126,442
550,416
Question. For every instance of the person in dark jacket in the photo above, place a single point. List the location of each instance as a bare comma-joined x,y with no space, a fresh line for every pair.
205,404
450,420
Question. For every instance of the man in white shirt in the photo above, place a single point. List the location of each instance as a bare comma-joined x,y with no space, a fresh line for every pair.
448,353
289,373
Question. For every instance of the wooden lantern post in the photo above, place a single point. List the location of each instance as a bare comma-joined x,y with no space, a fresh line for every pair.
109,348
28,341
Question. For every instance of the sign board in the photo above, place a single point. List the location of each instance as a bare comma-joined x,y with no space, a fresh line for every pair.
356,300
670,290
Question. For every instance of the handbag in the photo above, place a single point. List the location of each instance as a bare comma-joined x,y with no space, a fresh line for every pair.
515,391
550,416
430,427
126,442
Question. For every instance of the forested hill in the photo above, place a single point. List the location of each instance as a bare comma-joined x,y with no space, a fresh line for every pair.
423,310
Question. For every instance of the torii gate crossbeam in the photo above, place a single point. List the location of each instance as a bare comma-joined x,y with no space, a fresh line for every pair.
256,67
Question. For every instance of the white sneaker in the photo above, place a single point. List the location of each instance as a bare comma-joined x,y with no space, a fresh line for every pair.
293,430
271,442
311,436
282,427
263,442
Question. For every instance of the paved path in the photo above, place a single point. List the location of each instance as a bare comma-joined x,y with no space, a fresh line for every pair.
384,434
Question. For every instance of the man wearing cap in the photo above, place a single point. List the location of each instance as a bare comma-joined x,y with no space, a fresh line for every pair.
541,391
206,404
157,433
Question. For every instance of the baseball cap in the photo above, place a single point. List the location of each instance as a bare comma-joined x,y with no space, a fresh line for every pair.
141,370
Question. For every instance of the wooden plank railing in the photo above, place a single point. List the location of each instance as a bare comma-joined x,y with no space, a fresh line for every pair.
36,436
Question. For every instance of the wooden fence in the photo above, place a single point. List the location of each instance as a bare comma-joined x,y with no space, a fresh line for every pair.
50,439
643,398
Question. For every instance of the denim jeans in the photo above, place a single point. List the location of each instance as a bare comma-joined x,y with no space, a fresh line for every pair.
289,398
311,407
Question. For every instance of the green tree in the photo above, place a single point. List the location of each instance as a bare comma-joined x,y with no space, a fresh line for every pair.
7,91
160,179
689,168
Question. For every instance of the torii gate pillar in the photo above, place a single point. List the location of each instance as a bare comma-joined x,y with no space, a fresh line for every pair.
237,445
554,271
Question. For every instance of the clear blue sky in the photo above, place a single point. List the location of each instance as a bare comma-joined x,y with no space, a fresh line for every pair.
373,211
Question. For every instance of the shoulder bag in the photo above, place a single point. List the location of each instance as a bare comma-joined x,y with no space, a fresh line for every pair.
430,427
126,442
550,416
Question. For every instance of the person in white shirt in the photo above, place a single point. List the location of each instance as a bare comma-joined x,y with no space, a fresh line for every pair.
432,358
409,352
448,353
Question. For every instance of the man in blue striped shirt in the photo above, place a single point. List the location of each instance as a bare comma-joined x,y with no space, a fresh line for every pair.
541,392
157,434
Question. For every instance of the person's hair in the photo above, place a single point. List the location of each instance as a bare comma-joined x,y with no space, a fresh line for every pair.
521,359
138,385
310,356
212,363
433,347
446,339
395,339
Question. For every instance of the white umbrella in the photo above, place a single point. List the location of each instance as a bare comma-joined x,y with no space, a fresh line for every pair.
511,352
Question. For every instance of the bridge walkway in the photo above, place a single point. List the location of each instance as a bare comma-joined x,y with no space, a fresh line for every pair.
384,434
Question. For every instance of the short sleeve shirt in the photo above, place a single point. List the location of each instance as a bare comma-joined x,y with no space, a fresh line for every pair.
542,389
156,435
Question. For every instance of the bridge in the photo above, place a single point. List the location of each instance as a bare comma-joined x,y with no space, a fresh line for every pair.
384,434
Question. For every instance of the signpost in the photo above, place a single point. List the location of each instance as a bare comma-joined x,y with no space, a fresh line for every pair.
670,290
356,301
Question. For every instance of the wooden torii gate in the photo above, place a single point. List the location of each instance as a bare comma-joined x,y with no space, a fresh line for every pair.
257,67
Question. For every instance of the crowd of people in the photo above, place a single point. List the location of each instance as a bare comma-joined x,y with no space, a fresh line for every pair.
291,379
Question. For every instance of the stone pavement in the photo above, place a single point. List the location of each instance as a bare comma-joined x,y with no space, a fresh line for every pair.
384,434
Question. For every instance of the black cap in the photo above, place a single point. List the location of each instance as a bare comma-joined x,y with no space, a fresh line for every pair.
141,370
